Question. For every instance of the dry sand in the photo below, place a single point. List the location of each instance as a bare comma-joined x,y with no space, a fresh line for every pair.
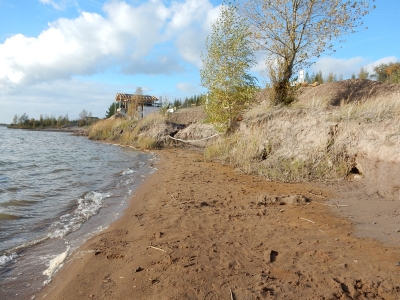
199,230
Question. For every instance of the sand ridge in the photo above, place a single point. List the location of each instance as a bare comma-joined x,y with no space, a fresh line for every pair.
199,230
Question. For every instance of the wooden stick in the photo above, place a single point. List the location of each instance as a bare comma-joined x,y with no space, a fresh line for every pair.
193,141
323,197
307,220
156,248
335,205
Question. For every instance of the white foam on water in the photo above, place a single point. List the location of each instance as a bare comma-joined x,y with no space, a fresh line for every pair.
129,182
128,171
153,170
6,258
55,264
87,207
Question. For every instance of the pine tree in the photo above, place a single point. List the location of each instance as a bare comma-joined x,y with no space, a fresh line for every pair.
307,78
111,110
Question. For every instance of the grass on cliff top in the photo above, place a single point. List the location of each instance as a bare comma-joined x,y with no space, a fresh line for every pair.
376,110
373,110
249,153
254,150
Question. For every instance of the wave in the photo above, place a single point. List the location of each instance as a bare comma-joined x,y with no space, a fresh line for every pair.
6,258
9,217
18,203
88,206
55,171
128,171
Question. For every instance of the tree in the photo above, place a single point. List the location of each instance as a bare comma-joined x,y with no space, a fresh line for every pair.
23,119
331,77
393,72
15,120
111,110
66,120
319,78
308,78
293,32
225,68
363,74
389,72
83,115
139,91
177,103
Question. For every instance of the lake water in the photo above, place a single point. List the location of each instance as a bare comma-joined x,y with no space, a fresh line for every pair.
56,191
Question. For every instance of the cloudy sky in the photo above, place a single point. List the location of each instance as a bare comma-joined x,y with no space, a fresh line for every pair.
63,56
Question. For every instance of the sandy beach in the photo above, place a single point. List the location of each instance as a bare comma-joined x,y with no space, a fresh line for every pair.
200,230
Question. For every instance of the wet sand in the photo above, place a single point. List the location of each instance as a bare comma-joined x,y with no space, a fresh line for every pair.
199,230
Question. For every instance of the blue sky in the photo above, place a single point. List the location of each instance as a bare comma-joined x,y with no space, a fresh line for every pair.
63,56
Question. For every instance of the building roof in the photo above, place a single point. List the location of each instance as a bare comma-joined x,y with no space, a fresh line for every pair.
136,98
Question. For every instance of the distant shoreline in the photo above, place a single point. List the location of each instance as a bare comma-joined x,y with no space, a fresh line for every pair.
81,131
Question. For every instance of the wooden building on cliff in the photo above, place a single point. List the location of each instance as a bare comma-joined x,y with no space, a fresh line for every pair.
133,105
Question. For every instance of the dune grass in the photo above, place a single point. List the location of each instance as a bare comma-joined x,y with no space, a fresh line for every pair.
368,110
129,132
376,110
252,155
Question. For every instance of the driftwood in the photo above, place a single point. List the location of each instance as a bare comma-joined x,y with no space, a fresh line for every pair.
232,298
335,205
307,220
193,141
156,248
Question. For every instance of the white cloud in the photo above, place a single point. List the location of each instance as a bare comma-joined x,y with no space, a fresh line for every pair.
126,37
137,28
184,14
347,67
193,20
58,5
191,45
68,47
339,66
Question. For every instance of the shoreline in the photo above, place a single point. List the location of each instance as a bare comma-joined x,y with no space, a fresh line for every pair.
200,230
74,130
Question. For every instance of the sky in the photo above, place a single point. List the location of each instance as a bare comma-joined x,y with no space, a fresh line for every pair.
59,57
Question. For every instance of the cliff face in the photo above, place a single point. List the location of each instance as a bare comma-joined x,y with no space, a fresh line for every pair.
319,139
369,149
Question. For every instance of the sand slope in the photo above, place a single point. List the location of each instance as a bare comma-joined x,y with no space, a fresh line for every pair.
217,232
